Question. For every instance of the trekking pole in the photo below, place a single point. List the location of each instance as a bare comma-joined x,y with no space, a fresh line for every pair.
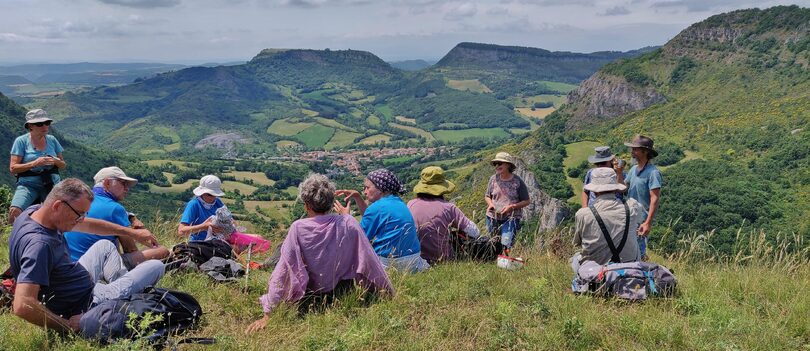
247,269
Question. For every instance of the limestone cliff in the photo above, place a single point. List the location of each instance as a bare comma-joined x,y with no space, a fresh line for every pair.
603,96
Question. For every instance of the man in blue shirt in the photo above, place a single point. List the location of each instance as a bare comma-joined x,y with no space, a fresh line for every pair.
53,291
112,186
644,185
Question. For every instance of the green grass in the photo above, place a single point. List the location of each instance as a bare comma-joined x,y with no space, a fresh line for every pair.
576,153
461,134
373,121
756,305
333,123
564,88
315,136
257,177
371,140
279,210
385,110
415,130
473,85
340,139
284,127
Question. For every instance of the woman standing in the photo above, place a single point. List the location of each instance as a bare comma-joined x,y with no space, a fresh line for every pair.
36,158
506,195
386,221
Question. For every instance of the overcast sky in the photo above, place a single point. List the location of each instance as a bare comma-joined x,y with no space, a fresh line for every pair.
197,31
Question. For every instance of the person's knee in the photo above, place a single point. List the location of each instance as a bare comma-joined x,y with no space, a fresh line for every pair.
105,246
155,268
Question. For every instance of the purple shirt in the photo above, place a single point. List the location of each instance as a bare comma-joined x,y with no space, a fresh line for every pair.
434,218
320,252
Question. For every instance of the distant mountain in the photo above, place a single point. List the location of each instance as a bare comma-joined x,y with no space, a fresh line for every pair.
7,83
727,103
411,65
34,72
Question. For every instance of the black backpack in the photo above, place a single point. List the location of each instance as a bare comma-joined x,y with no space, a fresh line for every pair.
176,311
482,248
198,252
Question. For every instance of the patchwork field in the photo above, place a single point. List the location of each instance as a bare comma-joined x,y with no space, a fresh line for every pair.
243,188
279,210
385,110
373,121
558,86
374,139
537,113
333,123
459,135
417,131
257,177
283,144
469,84
284,127
404,119
529,101
341,138
316,136
179,164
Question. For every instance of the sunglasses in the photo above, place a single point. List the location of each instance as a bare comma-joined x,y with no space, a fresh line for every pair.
40,124
79,216
496,163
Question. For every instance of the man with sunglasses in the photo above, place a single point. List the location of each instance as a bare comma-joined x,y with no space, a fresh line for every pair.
112,186
36,158
52,290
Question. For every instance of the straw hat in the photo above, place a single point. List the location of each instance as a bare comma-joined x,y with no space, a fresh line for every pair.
503,157
432,182
209,184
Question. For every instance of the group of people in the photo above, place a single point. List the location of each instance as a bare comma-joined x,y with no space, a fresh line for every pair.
79,247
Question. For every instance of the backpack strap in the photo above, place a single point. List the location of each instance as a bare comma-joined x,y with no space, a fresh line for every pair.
614,251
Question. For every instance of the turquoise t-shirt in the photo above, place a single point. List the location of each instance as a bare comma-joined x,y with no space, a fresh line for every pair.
640,183
195,213
24,148
390,228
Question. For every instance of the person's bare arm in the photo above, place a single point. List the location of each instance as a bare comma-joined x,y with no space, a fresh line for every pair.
100,227
584,198
27,306
644,228
16,166
355,196
59,162
185,230
516,206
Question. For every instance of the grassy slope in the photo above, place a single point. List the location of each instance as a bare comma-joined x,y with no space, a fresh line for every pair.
472,306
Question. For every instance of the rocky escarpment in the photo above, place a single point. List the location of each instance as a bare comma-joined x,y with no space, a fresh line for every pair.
551,212
603,97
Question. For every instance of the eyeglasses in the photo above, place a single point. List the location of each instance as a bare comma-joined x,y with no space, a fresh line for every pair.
496,163
80,216
40,124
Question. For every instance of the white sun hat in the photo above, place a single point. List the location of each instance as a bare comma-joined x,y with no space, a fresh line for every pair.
209,184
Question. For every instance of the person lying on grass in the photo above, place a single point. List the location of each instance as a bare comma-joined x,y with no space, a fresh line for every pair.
387,221
320,253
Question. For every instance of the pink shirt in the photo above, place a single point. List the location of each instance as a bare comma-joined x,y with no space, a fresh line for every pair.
434,218
320,252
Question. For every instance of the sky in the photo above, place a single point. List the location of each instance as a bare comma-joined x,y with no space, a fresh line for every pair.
200,31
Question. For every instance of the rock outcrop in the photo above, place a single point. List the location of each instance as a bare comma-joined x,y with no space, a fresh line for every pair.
551,212
603,96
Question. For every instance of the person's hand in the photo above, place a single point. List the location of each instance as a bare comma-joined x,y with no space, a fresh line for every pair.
145,237
340,209
348,194
44,161
257,325
506,209
217,229
73,323
644,229
616,167
136,223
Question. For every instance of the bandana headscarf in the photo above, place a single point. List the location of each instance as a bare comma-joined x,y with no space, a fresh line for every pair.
386,181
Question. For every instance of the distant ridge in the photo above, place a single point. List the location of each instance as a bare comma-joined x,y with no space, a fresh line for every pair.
411,65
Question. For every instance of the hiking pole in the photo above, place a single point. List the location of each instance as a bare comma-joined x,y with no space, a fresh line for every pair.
247,269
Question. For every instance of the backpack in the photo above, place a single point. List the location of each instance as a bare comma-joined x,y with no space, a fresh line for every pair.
176,310
198,252
632,281
482,248
7,289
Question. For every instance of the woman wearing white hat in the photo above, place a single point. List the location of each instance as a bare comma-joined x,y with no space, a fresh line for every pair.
36,158
197,215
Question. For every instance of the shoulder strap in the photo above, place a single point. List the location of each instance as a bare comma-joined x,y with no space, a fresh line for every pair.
614,251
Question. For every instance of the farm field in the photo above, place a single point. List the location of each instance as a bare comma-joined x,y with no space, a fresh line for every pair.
316,136
459,135
341,138
283,144
284,127
333,123
257,177
559,86
538,113
404,119
528,101
243,188
577,152
279,210
373,121
371,140
468,84
417,131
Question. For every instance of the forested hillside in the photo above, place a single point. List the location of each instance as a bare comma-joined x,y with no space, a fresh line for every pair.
727,102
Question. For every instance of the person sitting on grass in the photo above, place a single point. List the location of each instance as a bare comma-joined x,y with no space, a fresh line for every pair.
436,218
200,211
112,186
386,220
322,253
52,290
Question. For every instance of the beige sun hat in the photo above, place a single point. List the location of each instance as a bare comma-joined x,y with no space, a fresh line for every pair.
603,179
209,184
113,172
36,115
432,182
503,157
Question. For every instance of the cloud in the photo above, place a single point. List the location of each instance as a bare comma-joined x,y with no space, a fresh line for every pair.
460,12
19,38
700,5
616,11
144,4
552,2
321,3
497,11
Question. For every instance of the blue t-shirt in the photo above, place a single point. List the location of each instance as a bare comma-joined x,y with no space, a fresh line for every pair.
24,148
639,184
106,208
390,228
591,194
195,213
39,255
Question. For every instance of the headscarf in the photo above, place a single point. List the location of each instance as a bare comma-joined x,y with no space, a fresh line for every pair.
386,181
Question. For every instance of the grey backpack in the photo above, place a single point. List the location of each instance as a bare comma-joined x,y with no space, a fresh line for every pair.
630,281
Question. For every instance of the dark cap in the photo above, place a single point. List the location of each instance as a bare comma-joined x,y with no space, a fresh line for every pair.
643,142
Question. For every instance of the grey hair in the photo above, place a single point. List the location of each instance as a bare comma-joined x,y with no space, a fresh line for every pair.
317,192
69,190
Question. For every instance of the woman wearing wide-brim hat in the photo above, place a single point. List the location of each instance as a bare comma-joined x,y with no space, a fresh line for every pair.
197,214
506,195
36,158
436,218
